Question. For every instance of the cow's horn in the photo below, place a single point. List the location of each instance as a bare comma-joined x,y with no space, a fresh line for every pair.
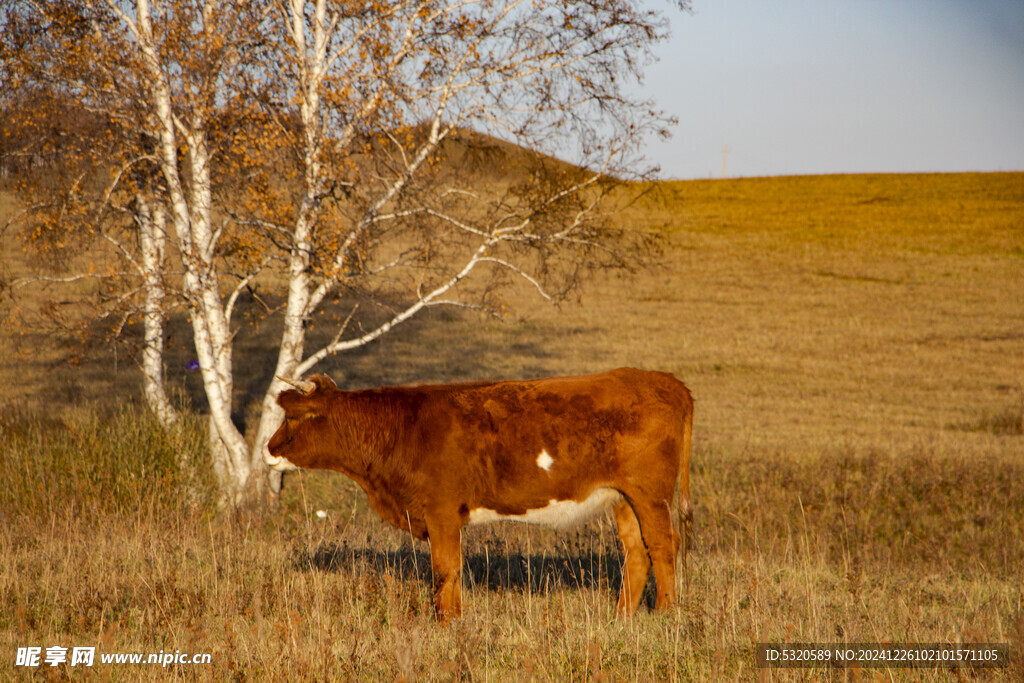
303,386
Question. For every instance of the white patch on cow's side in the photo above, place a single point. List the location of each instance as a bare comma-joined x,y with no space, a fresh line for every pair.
557,513
544,460
276,462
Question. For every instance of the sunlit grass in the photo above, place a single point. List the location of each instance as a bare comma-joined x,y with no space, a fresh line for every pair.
830,547
970,213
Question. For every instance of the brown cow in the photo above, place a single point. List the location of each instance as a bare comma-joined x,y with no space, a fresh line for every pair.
558,451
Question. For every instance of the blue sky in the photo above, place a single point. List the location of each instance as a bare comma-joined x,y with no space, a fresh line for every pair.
840,86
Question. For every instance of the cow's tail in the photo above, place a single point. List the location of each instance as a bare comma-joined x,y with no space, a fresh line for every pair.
683,501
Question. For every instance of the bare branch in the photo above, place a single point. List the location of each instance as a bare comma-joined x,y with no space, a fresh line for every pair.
117,179
19,215
518,271
123,250
401,259
243,283
35,279
410,311
436,214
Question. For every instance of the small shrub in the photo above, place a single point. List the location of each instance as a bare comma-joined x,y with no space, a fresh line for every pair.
89,462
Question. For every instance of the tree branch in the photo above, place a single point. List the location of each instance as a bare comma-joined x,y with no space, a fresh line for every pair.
230,306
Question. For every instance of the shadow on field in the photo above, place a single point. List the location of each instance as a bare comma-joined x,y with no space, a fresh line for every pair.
494,571
398,357
71,365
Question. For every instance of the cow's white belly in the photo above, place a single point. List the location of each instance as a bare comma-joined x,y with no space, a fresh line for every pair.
557,513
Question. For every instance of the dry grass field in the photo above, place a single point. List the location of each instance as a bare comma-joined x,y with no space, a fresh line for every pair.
856,348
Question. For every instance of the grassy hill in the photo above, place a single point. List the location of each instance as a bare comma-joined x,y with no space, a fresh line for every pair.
856,348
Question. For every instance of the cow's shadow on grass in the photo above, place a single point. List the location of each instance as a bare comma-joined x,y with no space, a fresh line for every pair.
599,570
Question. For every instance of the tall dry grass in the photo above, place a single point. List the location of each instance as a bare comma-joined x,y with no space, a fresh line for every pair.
828,548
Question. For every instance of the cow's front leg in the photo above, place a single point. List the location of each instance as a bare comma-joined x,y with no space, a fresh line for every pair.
446,566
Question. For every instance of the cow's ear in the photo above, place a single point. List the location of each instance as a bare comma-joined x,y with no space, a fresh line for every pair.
323,382
299,405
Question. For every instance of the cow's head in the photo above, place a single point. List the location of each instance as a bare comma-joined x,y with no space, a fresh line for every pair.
303,437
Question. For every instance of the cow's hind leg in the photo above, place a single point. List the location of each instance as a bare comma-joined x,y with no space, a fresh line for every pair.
637,562
446,566
662,541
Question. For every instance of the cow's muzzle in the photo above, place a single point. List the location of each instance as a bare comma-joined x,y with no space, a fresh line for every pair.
276,462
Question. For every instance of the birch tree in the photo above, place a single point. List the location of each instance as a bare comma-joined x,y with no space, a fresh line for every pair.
325,152
92,216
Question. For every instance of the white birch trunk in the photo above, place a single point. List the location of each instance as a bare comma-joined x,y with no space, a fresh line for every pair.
152,236
290,352
211,331
190,207
293,335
